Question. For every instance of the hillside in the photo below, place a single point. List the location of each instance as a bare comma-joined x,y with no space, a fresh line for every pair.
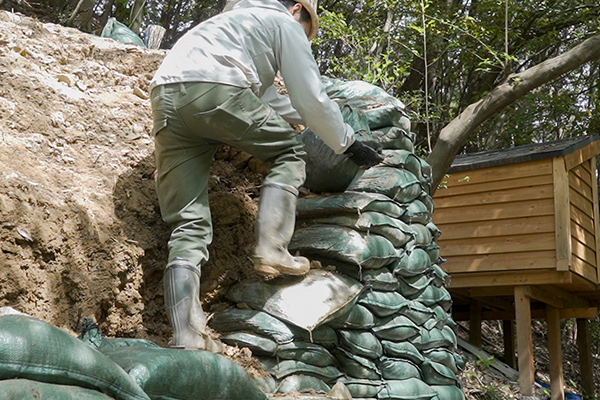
80,228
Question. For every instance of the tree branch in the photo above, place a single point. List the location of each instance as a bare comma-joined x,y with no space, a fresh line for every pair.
456,133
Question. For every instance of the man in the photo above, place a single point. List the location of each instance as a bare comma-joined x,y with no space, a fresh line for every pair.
216,86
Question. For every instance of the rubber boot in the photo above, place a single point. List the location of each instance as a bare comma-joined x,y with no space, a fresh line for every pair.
274,230
182,301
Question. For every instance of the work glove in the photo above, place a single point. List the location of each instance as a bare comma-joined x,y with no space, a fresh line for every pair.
365,154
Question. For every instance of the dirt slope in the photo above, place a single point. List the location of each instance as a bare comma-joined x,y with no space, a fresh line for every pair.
80,229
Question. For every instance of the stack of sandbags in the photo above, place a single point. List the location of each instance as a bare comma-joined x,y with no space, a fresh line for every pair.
41,361
396,339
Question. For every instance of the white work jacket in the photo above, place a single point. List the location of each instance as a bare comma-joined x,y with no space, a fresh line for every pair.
246,47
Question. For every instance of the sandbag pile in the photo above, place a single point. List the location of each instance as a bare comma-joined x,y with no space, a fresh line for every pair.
41,361
394,339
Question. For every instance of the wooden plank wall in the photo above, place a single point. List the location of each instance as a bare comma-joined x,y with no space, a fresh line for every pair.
498,219
583,230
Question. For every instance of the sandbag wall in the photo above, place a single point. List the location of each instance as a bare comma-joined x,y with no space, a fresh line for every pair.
395,339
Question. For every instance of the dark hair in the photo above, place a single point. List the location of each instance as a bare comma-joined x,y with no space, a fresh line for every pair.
304,14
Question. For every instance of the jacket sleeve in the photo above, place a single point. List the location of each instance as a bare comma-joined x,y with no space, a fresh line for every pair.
307,94
282,105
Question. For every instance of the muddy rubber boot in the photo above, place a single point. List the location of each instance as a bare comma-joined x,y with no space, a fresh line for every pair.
182,301
274,230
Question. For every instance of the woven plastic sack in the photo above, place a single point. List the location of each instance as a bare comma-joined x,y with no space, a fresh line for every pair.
344,245
404,350
302,384
443,356
120,32
417,212
380,279
127,342
373,112
393,229
259,345
382,304
359,317
437,374
417,312
284,368
449,392
259,322
413,263
433,338
309,353
412,286
439,275
356,366
434,295
171,374
406,160
396,328
422,236
397,184
326,171
342,89
326,294
433,250
408,389
398,369
363,388
362,343
33,349
24,389
354,203
394,138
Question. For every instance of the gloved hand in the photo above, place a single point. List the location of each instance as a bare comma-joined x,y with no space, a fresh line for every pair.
365,154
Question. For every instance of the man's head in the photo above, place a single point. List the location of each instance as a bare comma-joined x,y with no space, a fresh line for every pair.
304,11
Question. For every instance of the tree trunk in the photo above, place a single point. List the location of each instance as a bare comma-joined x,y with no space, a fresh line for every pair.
456,133
135,17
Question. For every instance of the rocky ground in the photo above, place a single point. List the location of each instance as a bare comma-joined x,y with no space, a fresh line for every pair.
80,228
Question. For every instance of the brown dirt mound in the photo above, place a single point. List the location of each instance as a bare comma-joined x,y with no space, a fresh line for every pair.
80,228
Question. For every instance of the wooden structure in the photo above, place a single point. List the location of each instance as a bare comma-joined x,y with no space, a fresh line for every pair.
520,235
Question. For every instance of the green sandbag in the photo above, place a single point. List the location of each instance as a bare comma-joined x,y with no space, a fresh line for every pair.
259,322
393,229
405,350
326,171
363,388
443,356
408,389
422,236
417,212
373,112
398,369
126,342
356,366
412,286
434,295
259,345
382,304
449,392
345,245
437,374
415,262
406,160
376,279
33,349
302,384
309,353
282,369
440,276
433,338
417,312
342,89
347,203
120,32
435,231
396,328
359,317
433,250
394,138
171,374
24,389
362,343
397,184
323,335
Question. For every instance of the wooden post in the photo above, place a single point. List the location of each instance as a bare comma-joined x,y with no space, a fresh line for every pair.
509,343
524,341
557,382
475,323
586,362
562,217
